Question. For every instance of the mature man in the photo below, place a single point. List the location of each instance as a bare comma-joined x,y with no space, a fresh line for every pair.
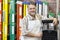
32,28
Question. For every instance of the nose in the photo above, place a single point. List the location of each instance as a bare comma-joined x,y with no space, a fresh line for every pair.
33,9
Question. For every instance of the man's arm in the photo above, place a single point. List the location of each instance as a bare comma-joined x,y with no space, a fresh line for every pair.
55,21
30,34
34,35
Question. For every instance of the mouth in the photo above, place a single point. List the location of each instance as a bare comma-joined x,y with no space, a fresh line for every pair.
32,11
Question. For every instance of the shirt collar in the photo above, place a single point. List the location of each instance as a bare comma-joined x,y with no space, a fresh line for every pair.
30,17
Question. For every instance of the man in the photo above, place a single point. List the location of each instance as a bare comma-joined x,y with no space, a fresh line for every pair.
33,33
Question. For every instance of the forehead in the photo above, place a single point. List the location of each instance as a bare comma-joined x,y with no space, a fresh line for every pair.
31,6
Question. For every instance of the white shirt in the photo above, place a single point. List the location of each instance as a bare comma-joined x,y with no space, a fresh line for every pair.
33,26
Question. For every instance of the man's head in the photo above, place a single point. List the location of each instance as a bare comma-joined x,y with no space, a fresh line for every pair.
32,8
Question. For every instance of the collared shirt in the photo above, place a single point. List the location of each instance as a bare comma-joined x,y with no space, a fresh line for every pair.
35,28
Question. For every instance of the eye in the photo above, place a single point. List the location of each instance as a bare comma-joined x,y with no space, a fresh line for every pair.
33,8
30,8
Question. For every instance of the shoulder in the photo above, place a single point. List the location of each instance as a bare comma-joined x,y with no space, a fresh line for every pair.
25,18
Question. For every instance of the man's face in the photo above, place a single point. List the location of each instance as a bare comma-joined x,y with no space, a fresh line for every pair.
31,9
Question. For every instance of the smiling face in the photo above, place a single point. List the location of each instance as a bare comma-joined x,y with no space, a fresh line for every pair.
32,9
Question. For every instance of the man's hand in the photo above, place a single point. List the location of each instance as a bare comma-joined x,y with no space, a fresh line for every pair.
55,21
38,35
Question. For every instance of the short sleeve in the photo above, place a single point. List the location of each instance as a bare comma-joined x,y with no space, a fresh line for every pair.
24,26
